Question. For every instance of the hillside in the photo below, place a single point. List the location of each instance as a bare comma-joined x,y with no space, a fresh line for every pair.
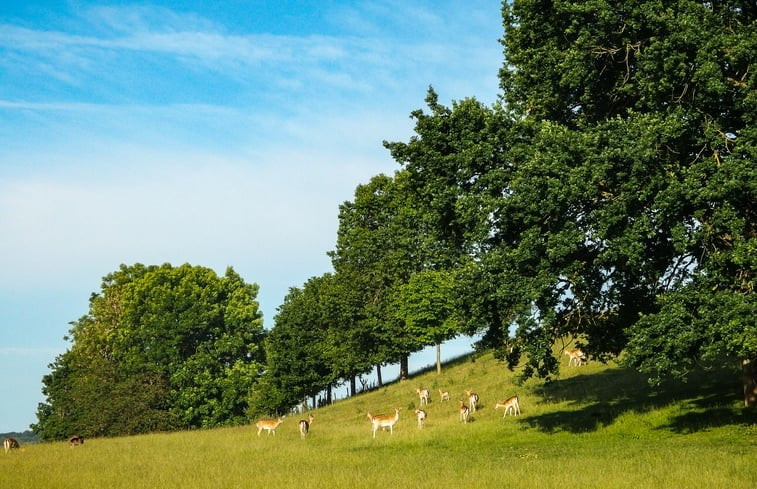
595,426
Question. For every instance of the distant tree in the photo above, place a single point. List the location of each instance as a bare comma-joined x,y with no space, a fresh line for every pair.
161,348
426,305
380,243
312,346
458,172
298,364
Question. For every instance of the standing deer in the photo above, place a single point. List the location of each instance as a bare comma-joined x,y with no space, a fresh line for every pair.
423,395
509,404
305,426
576,356
464,411
384,421
472,400
268,424
420,415
10,444
444,395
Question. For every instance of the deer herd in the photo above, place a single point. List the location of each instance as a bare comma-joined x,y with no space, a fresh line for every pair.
387,421
510,405
467,406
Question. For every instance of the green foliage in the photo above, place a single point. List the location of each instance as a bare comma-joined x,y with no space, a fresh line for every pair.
161,348
381,242
426,305
609,197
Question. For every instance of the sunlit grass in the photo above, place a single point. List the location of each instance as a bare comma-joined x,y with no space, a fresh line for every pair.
596,426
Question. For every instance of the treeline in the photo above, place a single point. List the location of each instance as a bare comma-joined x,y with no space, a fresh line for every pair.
607,197
21,437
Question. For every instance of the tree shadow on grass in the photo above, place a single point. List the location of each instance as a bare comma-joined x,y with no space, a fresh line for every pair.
708,400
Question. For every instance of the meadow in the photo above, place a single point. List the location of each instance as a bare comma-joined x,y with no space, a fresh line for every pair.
596,426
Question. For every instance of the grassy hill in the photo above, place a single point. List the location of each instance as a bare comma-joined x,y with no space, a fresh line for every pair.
596,426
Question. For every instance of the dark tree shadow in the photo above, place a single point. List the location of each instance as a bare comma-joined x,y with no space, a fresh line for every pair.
597,400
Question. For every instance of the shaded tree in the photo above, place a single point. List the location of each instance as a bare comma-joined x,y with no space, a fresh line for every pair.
638,135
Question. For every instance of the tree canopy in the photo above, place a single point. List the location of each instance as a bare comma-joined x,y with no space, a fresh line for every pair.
161,348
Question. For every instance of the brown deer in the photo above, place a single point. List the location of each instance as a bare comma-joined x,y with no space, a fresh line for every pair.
384,421
10,444
509,404
268,424
305,426
76,440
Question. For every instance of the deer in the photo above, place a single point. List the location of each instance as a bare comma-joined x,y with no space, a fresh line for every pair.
510,403
420,415
269,424
444,395
423,395
75,441
473,400
10,444
384,421
464,411
577,356
305,426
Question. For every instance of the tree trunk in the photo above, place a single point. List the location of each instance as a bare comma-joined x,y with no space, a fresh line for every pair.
749,371
438,358
353,386
328,396
378,376
404,368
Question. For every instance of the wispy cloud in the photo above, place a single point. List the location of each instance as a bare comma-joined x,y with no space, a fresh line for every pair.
120,41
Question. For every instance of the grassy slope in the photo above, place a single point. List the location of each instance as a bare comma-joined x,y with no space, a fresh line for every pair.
597,426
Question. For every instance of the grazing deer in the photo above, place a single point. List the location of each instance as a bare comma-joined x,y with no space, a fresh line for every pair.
472,400
10,444
464,411
76,440
305,426
423,395
268,424
420,415
444,395
509,404
577,356
384,421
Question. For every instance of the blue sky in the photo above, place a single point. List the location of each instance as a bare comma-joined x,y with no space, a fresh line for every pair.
221,133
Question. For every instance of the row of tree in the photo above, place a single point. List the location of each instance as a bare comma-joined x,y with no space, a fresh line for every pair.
608,196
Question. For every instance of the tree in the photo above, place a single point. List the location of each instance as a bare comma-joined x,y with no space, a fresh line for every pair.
458,172
313,346
614,182
161,348
298,362
380,243
426,305
657,103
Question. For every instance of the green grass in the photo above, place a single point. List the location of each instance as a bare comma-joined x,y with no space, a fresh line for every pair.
596,426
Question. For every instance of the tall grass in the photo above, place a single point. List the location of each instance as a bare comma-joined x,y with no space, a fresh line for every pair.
595,427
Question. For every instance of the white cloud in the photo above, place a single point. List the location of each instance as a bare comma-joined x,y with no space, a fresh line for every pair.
144,134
